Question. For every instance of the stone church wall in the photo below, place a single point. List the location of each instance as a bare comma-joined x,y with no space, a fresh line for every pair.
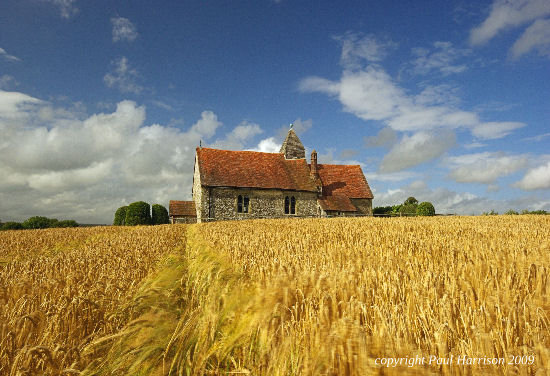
200,194
363,205
264,203
183,219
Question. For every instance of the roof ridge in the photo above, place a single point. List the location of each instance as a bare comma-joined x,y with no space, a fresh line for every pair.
239,151
334,164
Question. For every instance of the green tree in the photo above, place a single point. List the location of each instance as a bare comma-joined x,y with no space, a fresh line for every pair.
120,216
37,222
408,209
382,210
67,223
511,212
12,226
411,201
159,215
138,213
425,209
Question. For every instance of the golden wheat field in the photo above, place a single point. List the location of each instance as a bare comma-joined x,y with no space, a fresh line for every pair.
346,296
62,288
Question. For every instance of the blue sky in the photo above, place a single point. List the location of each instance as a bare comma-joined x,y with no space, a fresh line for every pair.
102,103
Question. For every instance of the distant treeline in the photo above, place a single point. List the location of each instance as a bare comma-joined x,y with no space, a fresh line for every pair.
410,207
38,222
513,212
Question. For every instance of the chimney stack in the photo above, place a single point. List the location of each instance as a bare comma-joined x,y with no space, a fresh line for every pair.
313,170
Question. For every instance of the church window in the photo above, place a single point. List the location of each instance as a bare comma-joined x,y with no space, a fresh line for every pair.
290,205
246,201
243,203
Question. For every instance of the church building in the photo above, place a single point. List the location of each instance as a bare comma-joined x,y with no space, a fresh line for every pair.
249,184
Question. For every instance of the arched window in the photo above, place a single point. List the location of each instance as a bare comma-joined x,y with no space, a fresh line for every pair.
290,205
246,201
243,202
287,205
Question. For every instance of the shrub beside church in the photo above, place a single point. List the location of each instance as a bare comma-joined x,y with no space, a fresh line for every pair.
139,213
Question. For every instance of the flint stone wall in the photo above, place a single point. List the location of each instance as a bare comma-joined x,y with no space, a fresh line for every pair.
363,205
292,147
264,203
183,219
200,194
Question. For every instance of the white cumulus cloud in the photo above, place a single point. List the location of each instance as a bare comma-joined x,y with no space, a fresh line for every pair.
268,145
416,149
484,167
536,178
70,165
385,137
238,137
371,94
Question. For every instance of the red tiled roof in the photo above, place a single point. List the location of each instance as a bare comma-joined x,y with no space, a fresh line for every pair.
346,180
336,203
184,208
250,169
